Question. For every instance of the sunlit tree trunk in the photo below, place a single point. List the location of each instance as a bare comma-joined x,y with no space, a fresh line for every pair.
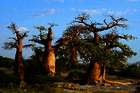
49,56
94,73
45,57
51,62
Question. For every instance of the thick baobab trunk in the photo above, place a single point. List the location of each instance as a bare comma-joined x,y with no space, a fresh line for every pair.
20,66
73,56
49,55
93,72
51,62
20,61
96,73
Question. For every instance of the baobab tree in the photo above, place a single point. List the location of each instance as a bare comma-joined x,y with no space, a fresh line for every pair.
91,46
69,42
48,58
17,43
105,50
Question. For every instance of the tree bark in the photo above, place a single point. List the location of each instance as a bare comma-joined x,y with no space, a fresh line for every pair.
49,55
96,73
19,67
51,62
73,58
93,72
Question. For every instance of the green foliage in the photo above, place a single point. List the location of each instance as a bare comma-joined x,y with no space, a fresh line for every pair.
133,70
93,44
42,37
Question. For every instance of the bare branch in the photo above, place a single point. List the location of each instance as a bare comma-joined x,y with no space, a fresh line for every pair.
119,22
13,38
13,28
61,42
23,35
38,41
28,45
98,27
52,24
82,19
41,28
105,22
10,45
82,22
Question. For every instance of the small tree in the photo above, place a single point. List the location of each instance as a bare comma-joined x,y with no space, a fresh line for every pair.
17,43
69,43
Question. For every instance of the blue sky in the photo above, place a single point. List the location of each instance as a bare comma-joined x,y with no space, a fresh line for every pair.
28,13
